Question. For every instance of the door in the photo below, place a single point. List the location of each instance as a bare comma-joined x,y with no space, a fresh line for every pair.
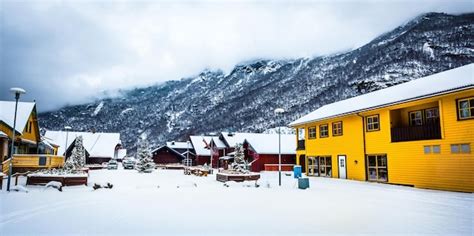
342,167
303,163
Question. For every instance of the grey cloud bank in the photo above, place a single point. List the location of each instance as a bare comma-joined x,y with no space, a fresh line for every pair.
67,52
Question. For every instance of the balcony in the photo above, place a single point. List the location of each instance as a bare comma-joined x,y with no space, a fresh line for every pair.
300,145
33,161
413,133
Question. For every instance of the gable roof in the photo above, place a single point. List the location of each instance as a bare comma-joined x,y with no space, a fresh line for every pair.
268,143
200,144
7,114
169,148
97,144
218,143
457,79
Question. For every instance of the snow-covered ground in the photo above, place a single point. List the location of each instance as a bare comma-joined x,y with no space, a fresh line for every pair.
168,202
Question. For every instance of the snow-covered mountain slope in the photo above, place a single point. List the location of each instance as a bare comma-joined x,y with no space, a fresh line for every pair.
244,99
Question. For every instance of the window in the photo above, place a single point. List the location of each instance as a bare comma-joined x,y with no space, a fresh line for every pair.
416,118
427,149
337,128
461,148
311,132
320,166
466,108
373,123
301,134
455,148
29,127
377,168
323,131
432,115
465,148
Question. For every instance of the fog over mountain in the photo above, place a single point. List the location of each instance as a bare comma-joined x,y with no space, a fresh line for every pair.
244,98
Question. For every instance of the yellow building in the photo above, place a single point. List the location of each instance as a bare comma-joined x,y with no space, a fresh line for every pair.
418,133
30,152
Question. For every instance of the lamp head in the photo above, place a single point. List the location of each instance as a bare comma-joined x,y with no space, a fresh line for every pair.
67,127
17,91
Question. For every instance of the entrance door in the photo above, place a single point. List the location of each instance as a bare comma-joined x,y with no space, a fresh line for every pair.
303,163
342,166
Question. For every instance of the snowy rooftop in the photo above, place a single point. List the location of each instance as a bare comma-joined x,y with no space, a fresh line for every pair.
263,143
97,144
179,145
7,113
219,144
200,144
444,82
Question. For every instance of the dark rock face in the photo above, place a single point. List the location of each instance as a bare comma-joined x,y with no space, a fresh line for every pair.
244,100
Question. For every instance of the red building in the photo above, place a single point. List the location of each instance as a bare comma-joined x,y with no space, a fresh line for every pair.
165,155
261,150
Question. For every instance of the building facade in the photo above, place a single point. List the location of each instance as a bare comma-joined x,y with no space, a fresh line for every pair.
419,133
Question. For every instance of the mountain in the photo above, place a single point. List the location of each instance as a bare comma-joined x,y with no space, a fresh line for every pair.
244,99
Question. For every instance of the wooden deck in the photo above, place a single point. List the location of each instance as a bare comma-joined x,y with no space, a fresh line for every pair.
33,161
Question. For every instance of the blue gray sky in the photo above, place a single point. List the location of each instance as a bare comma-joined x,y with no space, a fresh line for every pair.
70,52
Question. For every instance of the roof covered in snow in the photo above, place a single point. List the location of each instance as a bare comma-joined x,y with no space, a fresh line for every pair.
7,113
268,143
445,82
219,143
97,144
263,143
179,145
201,144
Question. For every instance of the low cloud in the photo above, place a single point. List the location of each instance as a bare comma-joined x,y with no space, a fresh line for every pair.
68,52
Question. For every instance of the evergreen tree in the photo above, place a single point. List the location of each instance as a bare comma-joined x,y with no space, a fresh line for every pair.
145,162
240,164
77,159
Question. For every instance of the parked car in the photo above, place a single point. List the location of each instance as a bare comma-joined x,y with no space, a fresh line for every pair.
112,165
128,163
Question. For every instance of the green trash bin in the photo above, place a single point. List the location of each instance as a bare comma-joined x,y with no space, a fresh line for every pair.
303,183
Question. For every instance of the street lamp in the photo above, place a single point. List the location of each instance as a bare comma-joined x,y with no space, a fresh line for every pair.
67,128
277,112
187,153
17,92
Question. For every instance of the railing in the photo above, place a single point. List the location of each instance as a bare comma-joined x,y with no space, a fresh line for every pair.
5,166
34,161
413,133
300,145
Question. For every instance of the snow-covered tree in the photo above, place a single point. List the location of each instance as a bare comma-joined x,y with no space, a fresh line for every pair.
145,162
77,160
239,164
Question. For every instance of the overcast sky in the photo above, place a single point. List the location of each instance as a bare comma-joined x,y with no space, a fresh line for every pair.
68,52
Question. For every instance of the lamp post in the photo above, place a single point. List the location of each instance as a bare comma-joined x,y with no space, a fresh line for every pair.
187,153
277,112
67,128
17,92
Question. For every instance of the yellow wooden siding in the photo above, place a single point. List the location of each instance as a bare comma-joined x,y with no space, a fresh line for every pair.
406,161
32,161
33,135
349,144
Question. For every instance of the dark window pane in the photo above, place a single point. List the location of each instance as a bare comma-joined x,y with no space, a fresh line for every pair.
382,174
463,104
372,174
372,161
